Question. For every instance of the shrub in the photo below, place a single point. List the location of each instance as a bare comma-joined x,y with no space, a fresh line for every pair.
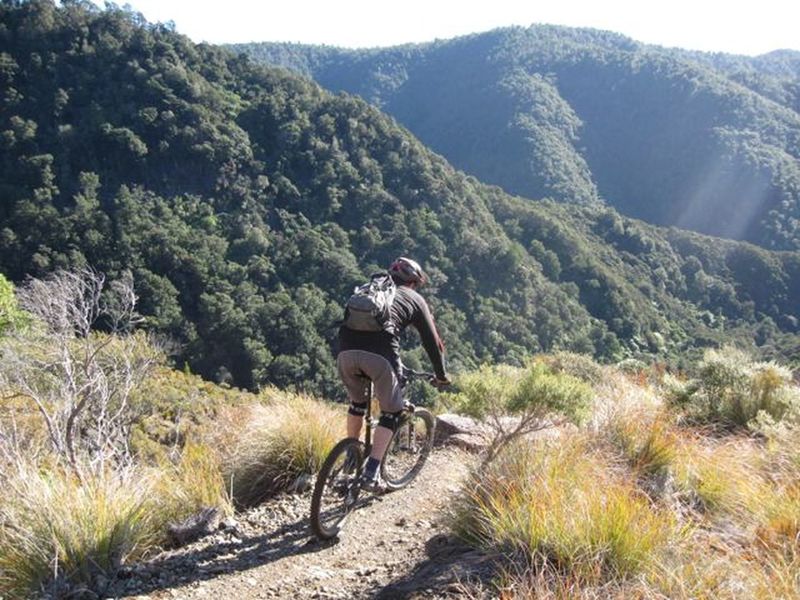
731,389
532,395
486,390
80,381
10,314
581,366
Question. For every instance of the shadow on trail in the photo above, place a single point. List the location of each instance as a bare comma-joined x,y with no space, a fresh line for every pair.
449,563
237,554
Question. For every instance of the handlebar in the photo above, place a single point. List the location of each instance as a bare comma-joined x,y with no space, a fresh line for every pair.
410,374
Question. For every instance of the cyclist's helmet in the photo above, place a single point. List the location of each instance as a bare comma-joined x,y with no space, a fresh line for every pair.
408,271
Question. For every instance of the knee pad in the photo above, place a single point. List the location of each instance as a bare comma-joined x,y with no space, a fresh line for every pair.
390,420
357,409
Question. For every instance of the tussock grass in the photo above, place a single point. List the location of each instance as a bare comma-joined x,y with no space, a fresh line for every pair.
561,505
650,446
277,444
579,518
195,482
781,525
617,398
59,535
724,476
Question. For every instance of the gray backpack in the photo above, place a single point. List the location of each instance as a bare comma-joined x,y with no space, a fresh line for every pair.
368,309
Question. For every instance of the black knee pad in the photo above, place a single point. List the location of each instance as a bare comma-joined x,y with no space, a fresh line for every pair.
357,409
390,420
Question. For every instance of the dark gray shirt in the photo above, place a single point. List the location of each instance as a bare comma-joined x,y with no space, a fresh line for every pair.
408,308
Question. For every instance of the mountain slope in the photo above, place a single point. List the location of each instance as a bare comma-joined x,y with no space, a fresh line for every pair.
574,114
246,202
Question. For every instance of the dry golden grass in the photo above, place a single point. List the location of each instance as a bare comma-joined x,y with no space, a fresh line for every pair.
276,443
63,535
564,505
60,535
579,518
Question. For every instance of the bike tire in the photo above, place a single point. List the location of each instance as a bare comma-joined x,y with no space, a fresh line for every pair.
408,449
337,489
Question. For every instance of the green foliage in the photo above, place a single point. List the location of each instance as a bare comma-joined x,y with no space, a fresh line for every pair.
577,365
732,389
246,202
558,393
709,142
503,389
10,314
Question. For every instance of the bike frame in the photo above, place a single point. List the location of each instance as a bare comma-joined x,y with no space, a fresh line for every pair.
368,421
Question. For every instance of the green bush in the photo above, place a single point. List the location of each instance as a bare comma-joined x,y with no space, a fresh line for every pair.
547,392
581,366
502,389
534,396
10,314
733,390
488,388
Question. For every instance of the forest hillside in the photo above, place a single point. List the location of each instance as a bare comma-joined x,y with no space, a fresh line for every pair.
246,202
708,142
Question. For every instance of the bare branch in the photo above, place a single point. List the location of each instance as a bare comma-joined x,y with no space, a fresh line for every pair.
80,380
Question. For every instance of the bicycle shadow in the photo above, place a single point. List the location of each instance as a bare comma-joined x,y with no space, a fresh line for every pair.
239,554
181,567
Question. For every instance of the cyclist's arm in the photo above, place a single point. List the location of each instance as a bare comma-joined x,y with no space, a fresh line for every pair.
431,341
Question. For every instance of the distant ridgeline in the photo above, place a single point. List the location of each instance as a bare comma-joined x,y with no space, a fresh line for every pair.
708,142
247,202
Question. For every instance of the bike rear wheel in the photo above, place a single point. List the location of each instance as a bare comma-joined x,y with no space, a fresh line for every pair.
408,450
337,488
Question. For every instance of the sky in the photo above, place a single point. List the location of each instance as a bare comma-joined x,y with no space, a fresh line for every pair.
737,26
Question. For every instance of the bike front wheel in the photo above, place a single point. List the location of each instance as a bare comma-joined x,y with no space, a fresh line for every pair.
337,488
408,450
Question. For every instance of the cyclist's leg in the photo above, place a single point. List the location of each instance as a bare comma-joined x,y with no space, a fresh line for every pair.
390,396
357,385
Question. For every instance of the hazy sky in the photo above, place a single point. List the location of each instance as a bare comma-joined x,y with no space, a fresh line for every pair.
735,26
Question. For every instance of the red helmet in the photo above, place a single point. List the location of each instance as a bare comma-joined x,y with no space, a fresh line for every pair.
408,271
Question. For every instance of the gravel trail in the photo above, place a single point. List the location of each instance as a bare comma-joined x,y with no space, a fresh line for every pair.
397,546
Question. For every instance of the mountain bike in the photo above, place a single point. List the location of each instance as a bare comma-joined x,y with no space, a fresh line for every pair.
338,487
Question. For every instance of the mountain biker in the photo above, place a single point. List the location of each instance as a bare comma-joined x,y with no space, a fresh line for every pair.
375,355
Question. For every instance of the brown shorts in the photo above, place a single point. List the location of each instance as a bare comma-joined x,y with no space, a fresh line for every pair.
354,365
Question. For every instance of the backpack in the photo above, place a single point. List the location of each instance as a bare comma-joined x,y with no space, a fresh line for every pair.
368,309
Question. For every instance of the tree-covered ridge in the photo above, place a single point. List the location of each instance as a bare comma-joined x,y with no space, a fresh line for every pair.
668,136
246,202
775,75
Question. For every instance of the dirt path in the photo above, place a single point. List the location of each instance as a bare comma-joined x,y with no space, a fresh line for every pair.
395,547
